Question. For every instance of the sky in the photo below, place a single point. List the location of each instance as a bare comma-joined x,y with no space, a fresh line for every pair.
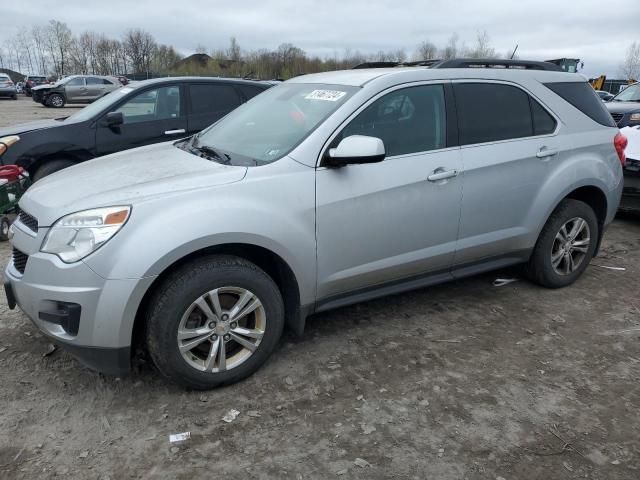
544,29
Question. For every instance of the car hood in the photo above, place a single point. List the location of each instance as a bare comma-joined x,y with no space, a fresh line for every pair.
44,86
29,127
622,107
124,178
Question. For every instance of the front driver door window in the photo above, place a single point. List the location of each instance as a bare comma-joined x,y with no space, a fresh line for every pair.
150,116
158,104
387,221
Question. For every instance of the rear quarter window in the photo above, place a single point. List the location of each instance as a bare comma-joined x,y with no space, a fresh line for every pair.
582,96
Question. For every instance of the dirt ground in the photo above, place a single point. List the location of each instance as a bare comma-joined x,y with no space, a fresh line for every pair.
25,110
460,381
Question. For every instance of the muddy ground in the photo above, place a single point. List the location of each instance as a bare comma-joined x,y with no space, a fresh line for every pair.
460,381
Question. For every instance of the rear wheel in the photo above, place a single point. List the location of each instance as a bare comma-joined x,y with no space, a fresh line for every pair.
213,322
50,167
55,100
566,245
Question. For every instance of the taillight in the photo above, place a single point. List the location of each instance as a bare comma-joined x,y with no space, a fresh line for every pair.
620,142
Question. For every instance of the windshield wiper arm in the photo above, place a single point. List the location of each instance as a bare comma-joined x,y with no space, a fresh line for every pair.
213,153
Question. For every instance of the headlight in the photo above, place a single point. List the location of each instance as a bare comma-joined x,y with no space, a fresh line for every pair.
635,117
75,236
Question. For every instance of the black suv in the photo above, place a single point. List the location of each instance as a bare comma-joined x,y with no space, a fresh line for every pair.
139,114
31,81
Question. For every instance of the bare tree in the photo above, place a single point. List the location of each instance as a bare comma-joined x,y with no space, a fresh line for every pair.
139,47
451,49
630,68
426,51
38,36
59,39
233,52
482,47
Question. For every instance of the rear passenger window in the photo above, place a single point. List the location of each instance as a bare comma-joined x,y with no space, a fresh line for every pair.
408,120
582,96
212,98
543,122
489,112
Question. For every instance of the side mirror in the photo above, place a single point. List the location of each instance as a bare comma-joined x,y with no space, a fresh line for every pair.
113,119
356,149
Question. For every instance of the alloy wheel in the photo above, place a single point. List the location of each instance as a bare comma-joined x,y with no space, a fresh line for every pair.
221,329
570,246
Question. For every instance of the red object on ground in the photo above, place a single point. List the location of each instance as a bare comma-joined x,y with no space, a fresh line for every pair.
11,172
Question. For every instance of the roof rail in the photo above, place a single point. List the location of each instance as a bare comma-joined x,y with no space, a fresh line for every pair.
497,63
376,65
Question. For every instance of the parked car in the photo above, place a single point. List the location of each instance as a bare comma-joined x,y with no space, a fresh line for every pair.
604,95
75,89
631,193
139,114
7,88
625,106
326,190
31,81
20,87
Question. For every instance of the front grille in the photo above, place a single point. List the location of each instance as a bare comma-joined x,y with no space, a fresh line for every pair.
28,221
20,260
617,117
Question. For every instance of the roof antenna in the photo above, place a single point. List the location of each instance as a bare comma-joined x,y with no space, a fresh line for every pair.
514,52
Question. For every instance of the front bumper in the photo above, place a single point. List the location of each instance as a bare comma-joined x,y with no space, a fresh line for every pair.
88,315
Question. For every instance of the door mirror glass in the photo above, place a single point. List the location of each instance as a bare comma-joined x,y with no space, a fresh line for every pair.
113,119
356,149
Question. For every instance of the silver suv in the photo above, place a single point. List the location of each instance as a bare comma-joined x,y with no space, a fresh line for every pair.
326,190
74,89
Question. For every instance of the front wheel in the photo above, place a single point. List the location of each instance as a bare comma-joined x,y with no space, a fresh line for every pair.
214,322
50,167
565,246
56,100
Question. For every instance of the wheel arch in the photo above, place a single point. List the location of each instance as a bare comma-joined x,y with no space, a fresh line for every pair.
592,195
76,155
272,263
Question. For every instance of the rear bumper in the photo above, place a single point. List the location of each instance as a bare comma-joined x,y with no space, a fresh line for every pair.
631,192
8,92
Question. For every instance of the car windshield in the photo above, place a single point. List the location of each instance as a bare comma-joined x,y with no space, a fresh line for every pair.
272,123
91,110
629,94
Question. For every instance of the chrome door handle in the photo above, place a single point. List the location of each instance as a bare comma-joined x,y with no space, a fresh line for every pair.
546,152
440,174
174,132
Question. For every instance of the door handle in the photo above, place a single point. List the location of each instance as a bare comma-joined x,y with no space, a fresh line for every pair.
546,152
441,174
174,132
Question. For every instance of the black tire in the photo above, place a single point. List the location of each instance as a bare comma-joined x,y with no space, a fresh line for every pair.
540,269
50,167
174,296
55,100
5,224
15,97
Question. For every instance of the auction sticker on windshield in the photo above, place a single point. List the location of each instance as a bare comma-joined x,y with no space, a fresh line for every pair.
328,95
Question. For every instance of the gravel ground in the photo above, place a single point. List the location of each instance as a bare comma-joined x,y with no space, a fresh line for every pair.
460,381
26,110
